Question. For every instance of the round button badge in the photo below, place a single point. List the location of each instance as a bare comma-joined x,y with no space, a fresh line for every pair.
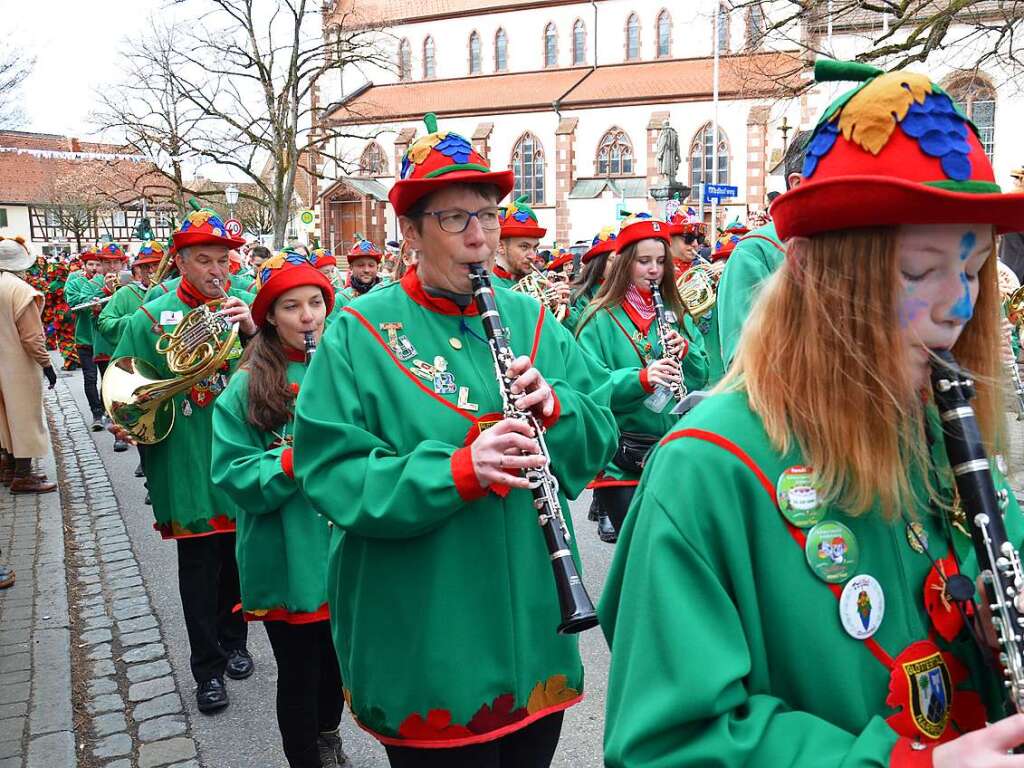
862,606
832,552
799,500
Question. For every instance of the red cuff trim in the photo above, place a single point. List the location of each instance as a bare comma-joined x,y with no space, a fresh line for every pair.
464,475
555,413
904,754
645,382
287,462
686,349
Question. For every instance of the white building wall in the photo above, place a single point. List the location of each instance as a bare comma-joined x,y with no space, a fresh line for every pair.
17,222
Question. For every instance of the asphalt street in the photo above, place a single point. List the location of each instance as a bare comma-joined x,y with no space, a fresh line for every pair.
245,735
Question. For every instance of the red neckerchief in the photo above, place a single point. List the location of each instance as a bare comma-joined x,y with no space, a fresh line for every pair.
293,354
414,289
192,296
643,324
503,273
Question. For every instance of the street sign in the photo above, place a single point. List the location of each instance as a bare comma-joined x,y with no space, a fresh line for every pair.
233,227
308,218
719,192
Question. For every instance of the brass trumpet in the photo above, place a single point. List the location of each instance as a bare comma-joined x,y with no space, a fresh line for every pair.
544,290
142,404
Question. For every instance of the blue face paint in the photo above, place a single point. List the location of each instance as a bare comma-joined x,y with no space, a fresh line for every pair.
963,310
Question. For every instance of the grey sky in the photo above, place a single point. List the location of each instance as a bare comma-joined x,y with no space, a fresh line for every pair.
76,44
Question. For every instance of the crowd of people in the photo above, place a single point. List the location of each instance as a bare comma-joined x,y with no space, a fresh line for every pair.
353,456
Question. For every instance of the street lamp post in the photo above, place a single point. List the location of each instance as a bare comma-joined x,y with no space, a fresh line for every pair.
231,197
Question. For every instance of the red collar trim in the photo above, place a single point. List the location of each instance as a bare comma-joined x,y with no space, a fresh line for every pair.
293,354
503,273
643,325
414,289
192,296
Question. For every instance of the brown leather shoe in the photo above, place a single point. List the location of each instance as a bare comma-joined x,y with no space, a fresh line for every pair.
32,484
6,577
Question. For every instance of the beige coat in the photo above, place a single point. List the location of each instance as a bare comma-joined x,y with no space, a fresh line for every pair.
22,426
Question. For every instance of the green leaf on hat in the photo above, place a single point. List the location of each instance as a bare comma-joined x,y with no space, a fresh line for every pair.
430,120
832,71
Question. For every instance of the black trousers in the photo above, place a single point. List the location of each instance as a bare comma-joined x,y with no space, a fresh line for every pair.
208,583
309,695
614,501
89,380
532,747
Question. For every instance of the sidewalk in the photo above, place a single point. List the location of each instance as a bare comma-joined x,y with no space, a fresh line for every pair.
36,728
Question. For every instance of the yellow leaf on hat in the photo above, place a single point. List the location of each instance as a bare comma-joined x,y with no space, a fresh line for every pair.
420,150
548,694
870,117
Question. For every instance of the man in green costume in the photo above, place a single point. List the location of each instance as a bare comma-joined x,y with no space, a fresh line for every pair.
755,259
82,287
188,507
443,607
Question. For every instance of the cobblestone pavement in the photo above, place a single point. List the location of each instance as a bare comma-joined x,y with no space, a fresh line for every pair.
128,711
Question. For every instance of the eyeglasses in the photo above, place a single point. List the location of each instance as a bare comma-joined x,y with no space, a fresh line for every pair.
455,220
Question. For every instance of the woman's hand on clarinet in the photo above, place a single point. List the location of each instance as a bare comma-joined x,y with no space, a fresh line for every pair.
677,345
539,397
984,748
498,454
235,310
663,372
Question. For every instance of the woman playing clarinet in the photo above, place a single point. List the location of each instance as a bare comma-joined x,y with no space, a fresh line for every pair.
796,584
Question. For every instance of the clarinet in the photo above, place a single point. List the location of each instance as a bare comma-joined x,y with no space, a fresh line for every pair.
310,341
664,317
998,561
577,610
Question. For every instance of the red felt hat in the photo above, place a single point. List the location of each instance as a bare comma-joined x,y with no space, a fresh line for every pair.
604,242
321,257
204,227
560,261
641,226
895,150
728,241
364,249
519,220
151,252
279,274
109,252
438,159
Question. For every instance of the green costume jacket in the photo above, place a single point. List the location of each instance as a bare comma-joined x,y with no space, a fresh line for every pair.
117,312
443,609
502,278
243,281
728,650
578,307
281,545
185,500
162,289
77,290
756,257
614,339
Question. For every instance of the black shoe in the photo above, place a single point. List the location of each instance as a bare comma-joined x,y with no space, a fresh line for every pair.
139,472
240,665
97,424
212,696
606,531
120,446
595,508
331,751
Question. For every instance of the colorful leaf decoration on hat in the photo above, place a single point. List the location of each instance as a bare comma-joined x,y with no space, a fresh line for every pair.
519,211
871,115
454,146
606,234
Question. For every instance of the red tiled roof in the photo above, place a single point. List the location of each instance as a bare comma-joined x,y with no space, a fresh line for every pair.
27,177
666,81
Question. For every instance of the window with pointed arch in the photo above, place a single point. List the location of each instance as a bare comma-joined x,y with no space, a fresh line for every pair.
579,43
372,162
404,60
615,154
474,53
702,158
550,46
500,51
528,165
723,28
429,62
757,25
632,37
974,94
664,35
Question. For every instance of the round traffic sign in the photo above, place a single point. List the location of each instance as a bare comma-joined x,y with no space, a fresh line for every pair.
233,227
307,217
